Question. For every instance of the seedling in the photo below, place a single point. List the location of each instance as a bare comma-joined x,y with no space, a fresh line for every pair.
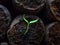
28,24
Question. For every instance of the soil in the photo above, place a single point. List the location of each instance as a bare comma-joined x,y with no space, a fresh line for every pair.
53,34
31,6
33,37
4,21
50,16
55,9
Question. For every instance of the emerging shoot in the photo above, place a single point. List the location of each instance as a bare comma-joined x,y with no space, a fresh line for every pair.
28,24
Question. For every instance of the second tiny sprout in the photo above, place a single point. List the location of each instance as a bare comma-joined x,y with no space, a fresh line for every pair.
28,24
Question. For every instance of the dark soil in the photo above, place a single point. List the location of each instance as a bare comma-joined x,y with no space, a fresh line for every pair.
28,6
50,16
33,37
55,9
53,34
4,21
31,3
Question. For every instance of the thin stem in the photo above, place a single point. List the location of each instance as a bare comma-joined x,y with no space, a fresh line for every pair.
27,28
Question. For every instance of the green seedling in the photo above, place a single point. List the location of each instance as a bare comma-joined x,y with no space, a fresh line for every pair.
28,24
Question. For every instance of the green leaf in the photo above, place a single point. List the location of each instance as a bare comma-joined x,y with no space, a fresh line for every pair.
33,21
25,19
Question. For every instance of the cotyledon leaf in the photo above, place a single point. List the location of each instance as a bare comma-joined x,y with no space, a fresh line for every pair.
28,23
25,19
33,21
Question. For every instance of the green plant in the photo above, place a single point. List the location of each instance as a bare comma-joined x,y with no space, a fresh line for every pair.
28,24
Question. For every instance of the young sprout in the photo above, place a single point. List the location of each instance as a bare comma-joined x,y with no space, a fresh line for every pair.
28,24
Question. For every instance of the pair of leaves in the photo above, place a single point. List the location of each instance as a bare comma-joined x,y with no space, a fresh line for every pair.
33,21
28,23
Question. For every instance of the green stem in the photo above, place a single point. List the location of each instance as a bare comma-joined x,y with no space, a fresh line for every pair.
27,28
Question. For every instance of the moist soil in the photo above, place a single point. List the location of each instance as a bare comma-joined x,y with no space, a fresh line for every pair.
4,22
55,9
28,6
33,37
53,34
